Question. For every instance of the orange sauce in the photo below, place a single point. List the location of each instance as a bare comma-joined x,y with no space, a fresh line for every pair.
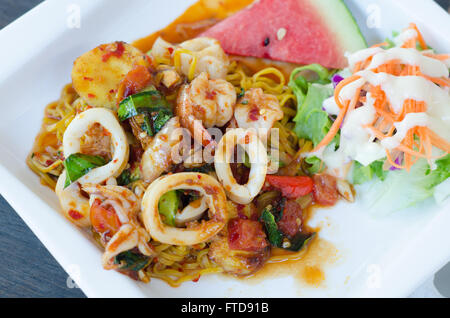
197,18
307,266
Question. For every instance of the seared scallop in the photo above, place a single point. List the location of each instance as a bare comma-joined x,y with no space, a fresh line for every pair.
96,74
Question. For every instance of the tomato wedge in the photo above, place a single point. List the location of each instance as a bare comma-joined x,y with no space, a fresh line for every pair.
104,218
291,187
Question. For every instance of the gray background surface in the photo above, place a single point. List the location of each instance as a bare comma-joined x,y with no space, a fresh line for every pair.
26,267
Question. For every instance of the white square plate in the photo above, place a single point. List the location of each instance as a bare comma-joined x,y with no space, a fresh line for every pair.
374,257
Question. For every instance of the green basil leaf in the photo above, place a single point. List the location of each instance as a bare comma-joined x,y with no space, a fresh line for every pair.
132,261
146,101
300,240
78,164
275,236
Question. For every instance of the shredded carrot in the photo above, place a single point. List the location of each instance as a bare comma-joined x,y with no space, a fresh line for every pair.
419,141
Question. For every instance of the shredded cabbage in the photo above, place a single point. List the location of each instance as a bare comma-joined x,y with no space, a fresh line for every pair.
402,189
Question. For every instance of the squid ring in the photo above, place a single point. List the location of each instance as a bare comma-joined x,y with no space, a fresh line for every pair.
248,139
74,205
207,186
78,127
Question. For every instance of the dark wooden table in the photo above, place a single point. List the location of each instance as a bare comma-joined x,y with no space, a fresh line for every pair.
26,267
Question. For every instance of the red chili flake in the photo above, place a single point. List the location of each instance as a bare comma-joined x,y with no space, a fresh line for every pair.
112,91
253,114
196,279
49,162
91,95
75,214
170,50
115,160
117,52
247,139
210,95
199,176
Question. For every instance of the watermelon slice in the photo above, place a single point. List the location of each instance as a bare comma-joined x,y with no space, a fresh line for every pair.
296,31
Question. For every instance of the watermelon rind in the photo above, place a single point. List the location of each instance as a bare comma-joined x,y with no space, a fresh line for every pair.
340,20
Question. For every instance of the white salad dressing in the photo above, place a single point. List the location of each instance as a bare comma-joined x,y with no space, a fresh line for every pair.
356,141
427,65
410,121
361,55
404,36
330,106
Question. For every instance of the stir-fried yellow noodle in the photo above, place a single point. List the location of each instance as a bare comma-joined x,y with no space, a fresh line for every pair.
46,157
178,264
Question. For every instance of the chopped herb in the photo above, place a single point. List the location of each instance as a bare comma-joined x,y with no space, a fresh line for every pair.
131,261
127,176
242,93
78,164
274,234
152,105
299,241
270,216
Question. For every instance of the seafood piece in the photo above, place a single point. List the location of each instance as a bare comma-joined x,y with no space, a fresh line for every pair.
78,127
205,103
258,110
96,74
74,205
249,141
195,233
193,211
241,248
194,56
114,215
157,158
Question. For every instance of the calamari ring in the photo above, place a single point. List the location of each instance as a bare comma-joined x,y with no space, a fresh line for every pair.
74,205
206,185
248,139
78,127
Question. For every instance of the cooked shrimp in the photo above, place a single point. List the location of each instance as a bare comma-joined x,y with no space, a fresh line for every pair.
96,74
249,141
209,101
74,205
258,110
194,56
157,158
195,234
114,212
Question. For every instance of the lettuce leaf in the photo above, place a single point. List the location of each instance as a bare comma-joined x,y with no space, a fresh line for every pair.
402,189
311,121
361,174
316,165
